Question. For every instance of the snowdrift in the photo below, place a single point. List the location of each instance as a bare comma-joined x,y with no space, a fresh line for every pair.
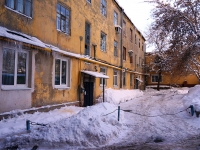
116,96
91,127
192,98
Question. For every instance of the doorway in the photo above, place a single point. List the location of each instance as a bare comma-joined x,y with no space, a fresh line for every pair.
88,93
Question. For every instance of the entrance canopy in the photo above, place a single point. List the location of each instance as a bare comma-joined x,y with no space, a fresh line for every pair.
139,79
95,74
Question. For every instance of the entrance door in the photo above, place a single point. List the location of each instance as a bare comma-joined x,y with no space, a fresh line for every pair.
136,83
88,95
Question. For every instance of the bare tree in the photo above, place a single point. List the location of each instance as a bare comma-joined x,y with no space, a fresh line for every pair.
179,21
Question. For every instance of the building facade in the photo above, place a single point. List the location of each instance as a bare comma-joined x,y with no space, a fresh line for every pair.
66,51
167,79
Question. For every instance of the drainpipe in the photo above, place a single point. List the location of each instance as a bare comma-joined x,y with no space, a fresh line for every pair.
79,74
121,58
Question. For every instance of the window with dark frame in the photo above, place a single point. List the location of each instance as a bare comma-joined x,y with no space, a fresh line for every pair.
63,19
124,78
139,43
131,59
124,53
131,79
89,1
154,78
87,39
115,18
131,35
103,7
21,6
115,48
135,39
103,42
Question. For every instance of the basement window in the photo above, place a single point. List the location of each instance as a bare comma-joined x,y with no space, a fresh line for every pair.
21,6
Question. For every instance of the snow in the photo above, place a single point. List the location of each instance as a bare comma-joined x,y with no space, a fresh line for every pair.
95,74
145,117
4,32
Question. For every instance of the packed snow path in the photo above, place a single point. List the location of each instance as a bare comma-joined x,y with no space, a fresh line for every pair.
166,128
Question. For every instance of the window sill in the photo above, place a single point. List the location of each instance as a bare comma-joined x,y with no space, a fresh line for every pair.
14,88
18,12
63,32
61,87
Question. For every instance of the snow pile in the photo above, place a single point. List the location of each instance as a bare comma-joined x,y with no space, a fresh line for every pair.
119,96
193,98
91,127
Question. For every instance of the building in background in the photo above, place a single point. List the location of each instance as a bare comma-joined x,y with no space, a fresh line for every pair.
167,79
54,52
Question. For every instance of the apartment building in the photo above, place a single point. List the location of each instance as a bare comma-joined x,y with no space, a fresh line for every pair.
66,51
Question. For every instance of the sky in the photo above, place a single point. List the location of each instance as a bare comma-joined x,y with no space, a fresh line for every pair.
138,11
140,14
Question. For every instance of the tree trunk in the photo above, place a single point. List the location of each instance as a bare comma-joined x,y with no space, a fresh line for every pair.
159,78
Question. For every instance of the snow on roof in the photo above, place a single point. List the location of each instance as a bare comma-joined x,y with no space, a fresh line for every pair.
4,32
95,74
56,49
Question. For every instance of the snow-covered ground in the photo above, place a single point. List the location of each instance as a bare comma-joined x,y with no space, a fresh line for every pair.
150,118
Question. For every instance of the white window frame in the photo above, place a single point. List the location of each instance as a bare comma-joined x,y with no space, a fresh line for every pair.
17,86
115,18
115,48
103,70
104,7
103,42
115,78
153,78
68,73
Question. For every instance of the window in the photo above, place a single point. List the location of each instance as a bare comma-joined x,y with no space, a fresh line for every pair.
63,19
115,48
124,28
115,78
103,42
103,71
154,78
115,18
103,7
22,6
89,1
62,73
124,78
87,39
131,79
131,59
15,68
131,35
135,39
139,43
124,53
